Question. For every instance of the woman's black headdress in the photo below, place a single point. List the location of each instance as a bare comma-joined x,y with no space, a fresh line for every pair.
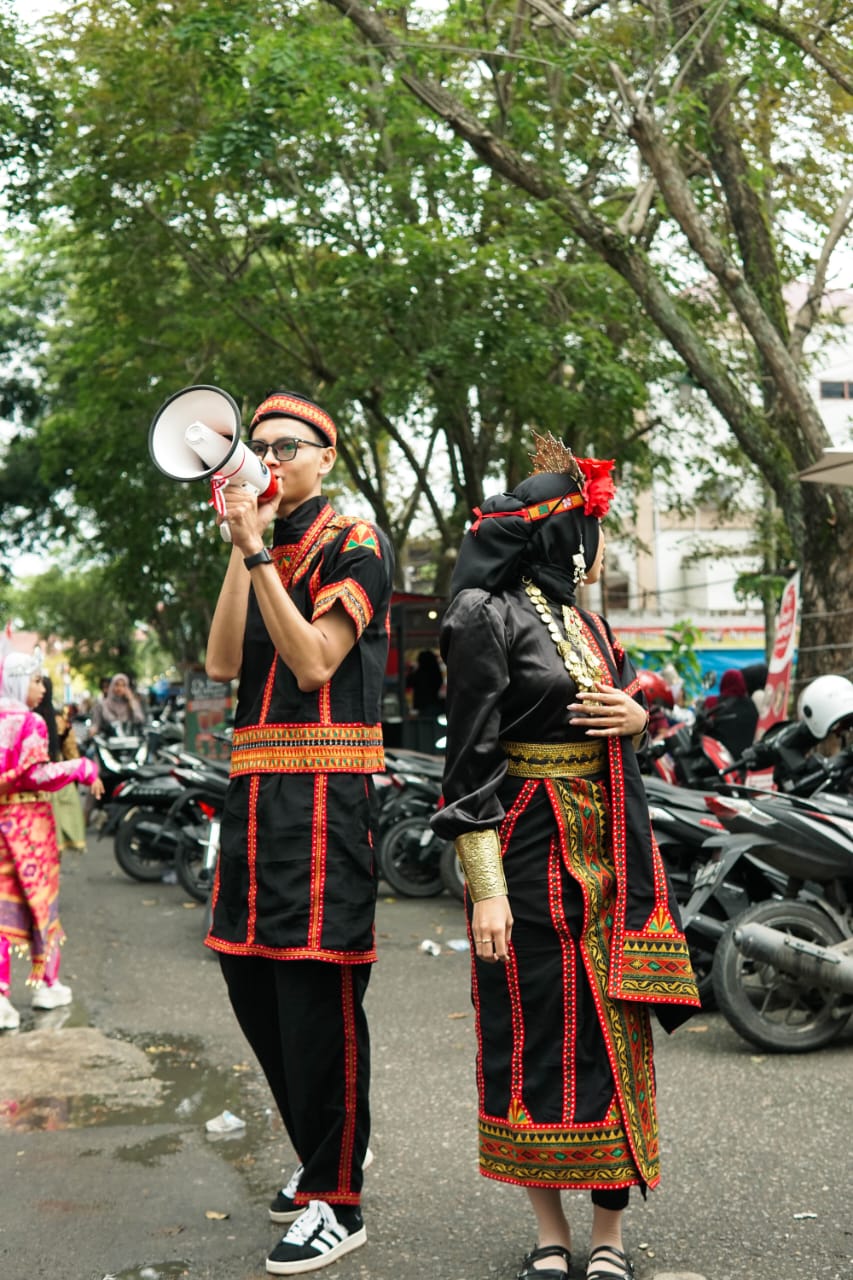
538,528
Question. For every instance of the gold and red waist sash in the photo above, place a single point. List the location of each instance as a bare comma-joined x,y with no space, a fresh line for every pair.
24,797
555,759
307,748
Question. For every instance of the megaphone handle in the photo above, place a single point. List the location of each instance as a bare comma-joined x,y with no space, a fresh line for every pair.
217,484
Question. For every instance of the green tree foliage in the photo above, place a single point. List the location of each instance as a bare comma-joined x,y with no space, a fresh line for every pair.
238,195
87,612
695,149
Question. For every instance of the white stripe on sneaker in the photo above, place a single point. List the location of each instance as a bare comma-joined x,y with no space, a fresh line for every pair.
314,1240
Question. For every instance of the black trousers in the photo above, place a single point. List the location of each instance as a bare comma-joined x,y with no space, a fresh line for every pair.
306,1023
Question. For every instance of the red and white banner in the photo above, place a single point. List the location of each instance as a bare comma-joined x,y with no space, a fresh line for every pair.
781,665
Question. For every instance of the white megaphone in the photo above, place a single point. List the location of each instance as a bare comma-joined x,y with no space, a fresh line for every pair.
195,435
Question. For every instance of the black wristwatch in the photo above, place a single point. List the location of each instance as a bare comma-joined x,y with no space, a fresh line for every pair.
260,557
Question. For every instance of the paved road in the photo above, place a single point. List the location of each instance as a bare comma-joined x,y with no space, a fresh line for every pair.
107,1170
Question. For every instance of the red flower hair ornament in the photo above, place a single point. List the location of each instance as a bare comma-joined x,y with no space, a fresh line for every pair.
597,488
591,474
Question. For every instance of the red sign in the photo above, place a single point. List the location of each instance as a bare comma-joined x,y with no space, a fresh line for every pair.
776,690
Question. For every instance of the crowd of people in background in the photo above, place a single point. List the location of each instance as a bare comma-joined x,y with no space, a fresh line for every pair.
45,759
731,715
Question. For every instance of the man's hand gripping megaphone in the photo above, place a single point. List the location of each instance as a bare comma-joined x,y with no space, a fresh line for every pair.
252,483
195,435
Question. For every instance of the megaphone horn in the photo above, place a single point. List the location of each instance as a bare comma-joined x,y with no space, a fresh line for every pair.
195,435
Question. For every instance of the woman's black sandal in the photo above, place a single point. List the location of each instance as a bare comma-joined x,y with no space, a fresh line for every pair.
607,1253
529,1272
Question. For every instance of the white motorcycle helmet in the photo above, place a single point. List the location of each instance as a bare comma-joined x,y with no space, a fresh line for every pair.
825,705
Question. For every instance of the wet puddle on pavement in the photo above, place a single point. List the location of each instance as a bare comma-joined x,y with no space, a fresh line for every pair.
86,1080
178,1085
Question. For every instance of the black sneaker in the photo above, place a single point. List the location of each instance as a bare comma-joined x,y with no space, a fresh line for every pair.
316,1239
284,1208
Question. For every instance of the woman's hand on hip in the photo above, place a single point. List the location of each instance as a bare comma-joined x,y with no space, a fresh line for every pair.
491,929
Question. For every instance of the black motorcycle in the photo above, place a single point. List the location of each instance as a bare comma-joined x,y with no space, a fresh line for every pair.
783,969
199,817
408,855
787,750
685,831
160,818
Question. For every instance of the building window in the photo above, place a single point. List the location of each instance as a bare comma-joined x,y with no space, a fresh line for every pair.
616,592
836,391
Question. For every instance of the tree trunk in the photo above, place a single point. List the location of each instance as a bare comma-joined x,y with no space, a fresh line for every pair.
826,631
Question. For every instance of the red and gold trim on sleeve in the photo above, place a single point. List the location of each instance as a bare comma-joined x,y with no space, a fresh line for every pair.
351,596
307,748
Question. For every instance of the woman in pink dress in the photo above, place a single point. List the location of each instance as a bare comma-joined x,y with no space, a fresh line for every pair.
29,858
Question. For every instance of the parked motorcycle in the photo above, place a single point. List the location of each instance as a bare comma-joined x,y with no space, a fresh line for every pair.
783,970
144,844
685,829
688,757
160,818
408,854
119,758
787,752
199,817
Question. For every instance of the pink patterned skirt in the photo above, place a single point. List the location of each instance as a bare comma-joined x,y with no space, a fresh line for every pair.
29,878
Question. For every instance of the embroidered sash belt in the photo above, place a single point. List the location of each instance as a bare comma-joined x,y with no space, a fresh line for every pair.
307,748
555,759
24,797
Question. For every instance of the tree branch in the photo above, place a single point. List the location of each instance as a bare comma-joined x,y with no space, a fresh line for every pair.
370,400
769,21
808,313
746,420
663,162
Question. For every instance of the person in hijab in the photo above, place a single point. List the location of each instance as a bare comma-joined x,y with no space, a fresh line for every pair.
29,858
62,745
574,928
733,717
118,710
305,626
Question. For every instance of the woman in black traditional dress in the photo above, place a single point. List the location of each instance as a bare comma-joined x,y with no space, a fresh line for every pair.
574,928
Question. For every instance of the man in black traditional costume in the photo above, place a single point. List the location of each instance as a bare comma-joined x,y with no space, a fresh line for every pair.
574,927
306,627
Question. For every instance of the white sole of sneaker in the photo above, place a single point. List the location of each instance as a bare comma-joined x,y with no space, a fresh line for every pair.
322,1260
286,1215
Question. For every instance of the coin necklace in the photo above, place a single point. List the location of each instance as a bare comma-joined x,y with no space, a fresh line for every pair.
578,659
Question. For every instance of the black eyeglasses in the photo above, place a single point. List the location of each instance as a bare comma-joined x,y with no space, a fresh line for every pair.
284,450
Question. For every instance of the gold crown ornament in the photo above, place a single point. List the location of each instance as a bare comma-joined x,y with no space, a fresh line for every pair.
552,457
